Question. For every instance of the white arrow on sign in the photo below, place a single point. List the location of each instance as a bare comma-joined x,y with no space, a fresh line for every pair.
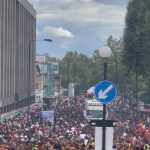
102,94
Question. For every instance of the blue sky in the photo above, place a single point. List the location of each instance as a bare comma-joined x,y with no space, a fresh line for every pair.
77,25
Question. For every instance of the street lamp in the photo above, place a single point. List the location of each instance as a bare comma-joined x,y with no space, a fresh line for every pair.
105,53
29,74
48,40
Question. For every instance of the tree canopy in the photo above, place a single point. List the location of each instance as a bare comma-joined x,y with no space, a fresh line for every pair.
137,36
136,51
88,71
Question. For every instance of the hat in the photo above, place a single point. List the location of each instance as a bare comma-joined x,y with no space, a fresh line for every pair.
25,137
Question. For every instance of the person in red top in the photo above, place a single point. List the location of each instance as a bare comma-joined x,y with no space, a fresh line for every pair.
11,133
147,135
139,131
131,139
142,145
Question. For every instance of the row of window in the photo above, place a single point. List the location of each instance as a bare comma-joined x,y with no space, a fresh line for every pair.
38,97
17,105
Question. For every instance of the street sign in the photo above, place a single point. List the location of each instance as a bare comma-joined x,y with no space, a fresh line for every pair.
105,92
103,123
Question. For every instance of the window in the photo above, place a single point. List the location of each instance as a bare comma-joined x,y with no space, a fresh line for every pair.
36,86
55,67
95,114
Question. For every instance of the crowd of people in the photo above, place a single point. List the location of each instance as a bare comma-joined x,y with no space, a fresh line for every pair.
70,130
133,129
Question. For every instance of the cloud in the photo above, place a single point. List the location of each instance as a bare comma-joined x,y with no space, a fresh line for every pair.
81,13
86,0
61,32
85,20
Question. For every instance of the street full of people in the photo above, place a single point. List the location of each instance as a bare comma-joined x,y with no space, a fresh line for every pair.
70,130
133,129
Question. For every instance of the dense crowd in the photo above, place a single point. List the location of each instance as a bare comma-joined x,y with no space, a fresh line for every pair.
71,131
133,129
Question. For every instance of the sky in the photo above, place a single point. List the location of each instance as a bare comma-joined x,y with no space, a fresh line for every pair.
77,25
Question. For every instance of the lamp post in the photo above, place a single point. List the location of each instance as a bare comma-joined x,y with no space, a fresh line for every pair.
68,78
48,40
149,88
105,53
29,74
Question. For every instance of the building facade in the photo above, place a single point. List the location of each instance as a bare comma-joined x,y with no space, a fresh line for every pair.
39,85
17,54
48,81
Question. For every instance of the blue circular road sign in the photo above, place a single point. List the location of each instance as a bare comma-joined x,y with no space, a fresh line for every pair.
105,92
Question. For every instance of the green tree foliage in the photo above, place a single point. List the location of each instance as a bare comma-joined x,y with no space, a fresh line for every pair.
136,51
79,69
118,71
88,71
137,36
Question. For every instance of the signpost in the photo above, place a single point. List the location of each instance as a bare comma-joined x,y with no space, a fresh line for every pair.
105,92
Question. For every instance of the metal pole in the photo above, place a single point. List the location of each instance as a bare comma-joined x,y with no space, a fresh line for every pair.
149,89
29,78
136,80
59,82
68,79
104,113
43,91
116,71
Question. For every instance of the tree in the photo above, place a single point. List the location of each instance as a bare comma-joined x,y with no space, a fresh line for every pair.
88,71
137,44
78,68
118,71
136,36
